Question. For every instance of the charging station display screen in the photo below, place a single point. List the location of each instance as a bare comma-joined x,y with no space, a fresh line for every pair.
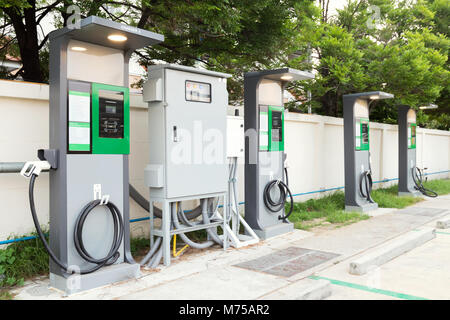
362,134
111,114
277,129
365,133
110,109
412,128
198,91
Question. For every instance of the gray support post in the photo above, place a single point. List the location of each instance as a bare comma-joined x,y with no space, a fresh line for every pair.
58,141
165,226
152,223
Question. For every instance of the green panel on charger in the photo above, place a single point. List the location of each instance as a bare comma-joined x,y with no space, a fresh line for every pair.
276,128
104,142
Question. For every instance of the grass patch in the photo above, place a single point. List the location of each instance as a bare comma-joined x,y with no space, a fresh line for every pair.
440,186
5,295
330,208
388,198
22,260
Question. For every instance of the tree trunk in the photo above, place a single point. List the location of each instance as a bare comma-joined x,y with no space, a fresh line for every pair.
27,39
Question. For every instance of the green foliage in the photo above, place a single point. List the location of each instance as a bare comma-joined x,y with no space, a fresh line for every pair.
440,186
388,198
329,208
404,50
226,36
22,260
5,295
406,54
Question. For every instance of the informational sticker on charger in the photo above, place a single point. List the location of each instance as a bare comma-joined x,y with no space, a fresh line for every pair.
263,121
358,134
79,121
263,130
263,141
198,91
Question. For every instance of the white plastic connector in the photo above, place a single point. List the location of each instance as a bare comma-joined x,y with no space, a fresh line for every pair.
34,167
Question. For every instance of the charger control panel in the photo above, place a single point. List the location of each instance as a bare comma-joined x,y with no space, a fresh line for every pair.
98,118
362,134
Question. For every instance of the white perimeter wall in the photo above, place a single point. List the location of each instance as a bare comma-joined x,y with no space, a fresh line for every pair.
314,145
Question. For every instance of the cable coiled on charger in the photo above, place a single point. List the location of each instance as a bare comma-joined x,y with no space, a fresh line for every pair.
109,259
367,182
417,175
278,205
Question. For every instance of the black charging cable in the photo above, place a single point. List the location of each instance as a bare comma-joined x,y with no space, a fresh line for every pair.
417,175
109,259
278,205
366,185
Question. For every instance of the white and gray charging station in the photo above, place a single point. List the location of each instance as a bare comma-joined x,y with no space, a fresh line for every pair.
358,169
266,187
407,140
88,156
410,177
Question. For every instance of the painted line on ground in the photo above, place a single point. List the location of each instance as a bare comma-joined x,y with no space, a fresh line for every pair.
369,289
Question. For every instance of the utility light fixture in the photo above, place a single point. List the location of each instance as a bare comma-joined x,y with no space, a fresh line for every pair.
117,37
286,77
430,106
379,95
81,49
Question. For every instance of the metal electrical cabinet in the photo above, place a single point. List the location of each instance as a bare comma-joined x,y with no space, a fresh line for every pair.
187,136
187,131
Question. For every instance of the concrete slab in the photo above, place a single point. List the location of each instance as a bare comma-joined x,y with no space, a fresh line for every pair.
345,293
288,262
306,289
227,283
419,273
390,250
422,211
443,223
380,211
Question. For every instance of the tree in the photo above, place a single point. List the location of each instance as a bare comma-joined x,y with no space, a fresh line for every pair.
231,36
227,36
21,22
401,52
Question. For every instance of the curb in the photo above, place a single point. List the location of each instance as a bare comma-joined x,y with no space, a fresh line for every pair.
391,250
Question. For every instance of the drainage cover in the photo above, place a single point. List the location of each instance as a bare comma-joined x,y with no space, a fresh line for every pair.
418,211
288,262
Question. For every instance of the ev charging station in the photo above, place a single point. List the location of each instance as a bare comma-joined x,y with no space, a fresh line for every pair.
410,177
266,188
88,155
407,139
358,170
